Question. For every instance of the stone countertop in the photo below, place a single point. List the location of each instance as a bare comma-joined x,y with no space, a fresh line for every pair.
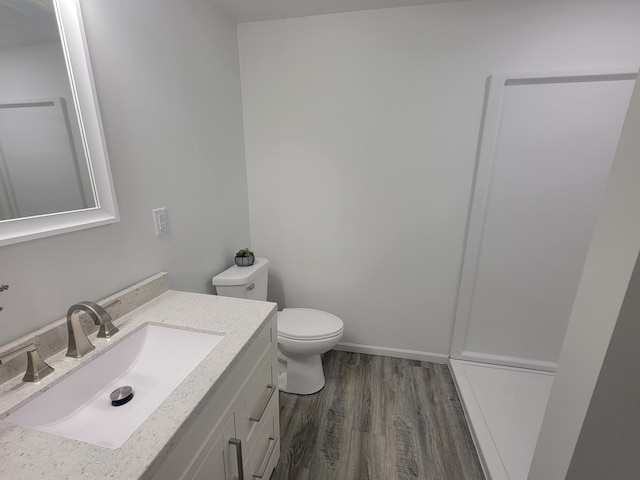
28,454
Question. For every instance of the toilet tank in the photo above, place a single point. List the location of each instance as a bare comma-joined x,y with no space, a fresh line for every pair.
244,282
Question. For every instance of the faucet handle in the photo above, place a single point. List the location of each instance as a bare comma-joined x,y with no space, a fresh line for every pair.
108,329
37,368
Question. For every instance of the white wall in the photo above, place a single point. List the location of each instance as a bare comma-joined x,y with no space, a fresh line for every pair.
361,132
167,78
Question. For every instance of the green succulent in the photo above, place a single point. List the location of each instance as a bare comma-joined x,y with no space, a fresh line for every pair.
244,252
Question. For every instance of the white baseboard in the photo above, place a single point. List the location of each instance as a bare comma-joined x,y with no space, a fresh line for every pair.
392,352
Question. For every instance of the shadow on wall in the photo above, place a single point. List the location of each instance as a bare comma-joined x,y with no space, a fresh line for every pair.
275,290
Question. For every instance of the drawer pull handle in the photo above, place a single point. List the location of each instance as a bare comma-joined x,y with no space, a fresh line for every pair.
238,444
267,458
271,389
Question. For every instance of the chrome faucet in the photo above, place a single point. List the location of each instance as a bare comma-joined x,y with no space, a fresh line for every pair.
79,344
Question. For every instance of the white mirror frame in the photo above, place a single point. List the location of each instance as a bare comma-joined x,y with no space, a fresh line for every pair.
76,55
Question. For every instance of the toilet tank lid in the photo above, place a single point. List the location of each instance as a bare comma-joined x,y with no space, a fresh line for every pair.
241,275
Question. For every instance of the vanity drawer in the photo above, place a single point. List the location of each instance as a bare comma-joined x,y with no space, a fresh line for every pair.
265,453
265,340
254,406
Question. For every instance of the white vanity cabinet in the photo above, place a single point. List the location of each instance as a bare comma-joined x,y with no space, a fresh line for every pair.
238,425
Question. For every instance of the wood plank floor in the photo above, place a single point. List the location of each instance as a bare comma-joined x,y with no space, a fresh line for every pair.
377,418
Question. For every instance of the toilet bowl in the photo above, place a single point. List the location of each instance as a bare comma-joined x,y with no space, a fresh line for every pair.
303,333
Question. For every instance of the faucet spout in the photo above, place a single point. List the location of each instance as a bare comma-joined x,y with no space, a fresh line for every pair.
79,344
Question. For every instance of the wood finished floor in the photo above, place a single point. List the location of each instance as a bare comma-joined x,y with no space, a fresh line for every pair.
377,418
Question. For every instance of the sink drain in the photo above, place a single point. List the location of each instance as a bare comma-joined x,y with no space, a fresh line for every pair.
121,395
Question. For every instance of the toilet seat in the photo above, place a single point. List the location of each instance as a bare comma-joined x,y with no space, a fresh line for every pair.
308,324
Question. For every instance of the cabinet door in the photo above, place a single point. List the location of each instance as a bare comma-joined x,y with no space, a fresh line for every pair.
221,461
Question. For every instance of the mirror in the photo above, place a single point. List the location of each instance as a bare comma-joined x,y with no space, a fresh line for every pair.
54,171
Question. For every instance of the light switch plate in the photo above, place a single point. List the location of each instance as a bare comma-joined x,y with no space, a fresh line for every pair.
160,220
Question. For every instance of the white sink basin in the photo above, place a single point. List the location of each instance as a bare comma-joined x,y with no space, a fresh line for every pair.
154,360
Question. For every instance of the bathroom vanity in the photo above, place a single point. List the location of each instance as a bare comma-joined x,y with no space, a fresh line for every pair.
237,430
221,420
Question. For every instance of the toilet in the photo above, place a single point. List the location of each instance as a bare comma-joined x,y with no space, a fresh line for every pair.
303,333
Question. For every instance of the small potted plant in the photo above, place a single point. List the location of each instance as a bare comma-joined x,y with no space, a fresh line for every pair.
245,257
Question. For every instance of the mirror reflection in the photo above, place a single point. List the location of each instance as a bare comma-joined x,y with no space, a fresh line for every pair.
43,166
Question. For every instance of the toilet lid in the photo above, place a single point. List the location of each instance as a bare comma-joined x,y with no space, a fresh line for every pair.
308,324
